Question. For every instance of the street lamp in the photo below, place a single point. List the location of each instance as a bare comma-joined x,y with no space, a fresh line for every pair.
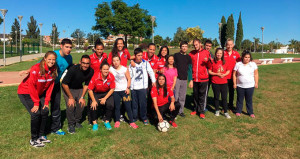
41,38
64,33
20,19
53,35
78,39
277,43
93,39
16,32
153,20
220,25
262,41
4,11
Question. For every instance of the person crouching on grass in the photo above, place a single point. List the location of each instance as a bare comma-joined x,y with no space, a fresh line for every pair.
101,88
219,70
35,93
160,95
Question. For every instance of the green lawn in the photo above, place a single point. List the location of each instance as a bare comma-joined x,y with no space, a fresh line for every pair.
274,133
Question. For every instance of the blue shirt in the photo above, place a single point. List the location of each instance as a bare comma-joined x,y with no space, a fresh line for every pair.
62,64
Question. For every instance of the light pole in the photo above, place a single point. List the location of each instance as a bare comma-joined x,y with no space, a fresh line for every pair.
64,33
4,11
254,45
220,25
20,19
78,40
53,35
93,39
277,43
16,32
41,38
262,41
153,20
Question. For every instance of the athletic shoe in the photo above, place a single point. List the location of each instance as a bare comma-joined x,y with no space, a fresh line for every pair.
202,116
182,115
36,143
193,113
71,129
78,125
252,116
133,125
43,139
217,113
146,122
205,110
122,118
227,115
238,114
173,124
107,125
59,132
117,124
95,127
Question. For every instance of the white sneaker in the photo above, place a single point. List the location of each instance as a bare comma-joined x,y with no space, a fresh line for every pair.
227,116
217,113
36,143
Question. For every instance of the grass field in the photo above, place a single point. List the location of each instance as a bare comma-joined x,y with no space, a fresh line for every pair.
274,133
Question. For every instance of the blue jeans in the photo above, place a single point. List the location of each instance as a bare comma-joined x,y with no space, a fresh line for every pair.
246,93
139,102
118,95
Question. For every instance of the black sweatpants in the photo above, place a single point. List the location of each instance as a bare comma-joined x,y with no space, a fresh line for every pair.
38,119
200,96
109,106
55,107
165,109
231,93
220,88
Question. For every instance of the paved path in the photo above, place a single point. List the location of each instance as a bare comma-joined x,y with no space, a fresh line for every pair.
13,78
16,59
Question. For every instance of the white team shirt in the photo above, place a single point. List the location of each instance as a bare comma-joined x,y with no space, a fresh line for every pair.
245,74
120,78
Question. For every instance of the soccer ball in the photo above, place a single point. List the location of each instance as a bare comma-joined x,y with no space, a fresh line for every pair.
163,126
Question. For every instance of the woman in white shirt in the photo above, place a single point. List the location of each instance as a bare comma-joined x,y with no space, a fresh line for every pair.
245,79
122,92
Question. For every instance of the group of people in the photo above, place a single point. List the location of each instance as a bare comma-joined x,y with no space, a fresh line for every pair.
150,87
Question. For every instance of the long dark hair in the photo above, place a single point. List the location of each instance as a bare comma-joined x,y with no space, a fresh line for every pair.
167,62
115,48
164,86
42,64
222,58
159,53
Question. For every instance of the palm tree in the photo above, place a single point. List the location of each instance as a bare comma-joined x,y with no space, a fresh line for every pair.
293,43
256,41
272,44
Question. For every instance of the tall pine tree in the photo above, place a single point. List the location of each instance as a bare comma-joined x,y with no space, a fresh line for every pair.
55,34
15,31
239,33
223,31
33,31
1,20
230,28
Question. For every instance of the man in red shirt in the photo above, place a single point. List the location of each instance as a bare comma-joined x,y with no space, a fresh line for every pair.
150,54
200,63
231,57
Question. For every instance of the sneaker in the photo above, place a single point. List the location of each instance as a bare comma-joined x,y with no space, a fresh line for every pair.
182,115
217,113
252,116
117,124
43,139
133,125
95,127
238,114
59,132
146,122
193,113
227,115
205,110
202,116
36,143
71,129
173,124
122,118
107,125
78,125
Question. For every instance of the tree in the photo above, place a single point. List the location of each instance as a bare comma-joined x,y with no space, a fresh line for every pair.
239,33
230,28
194,33
15,28
295,44
223,31
118,18
92,37
158,40
166,41
179,36
246,44
215,43
55,34
33,31
272,44
1,20
256,42
78,34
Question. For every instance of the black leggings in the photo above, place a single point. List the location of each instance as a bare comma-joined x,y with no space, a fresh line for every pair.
220,88
109,106
38,119
165,109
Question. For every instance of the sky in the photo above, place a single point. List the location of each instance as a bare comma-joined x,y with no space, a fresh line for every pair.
280,18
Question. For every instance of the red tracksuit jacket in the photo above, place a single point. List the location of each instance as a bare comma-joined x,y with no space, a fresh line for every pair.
96,62
152,61
200,62
35,84
231,61
124,57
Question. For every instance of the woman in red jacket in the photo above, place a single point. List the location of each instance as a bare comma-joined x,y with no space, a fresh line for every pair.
120,49
35,93
98,56
162,57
